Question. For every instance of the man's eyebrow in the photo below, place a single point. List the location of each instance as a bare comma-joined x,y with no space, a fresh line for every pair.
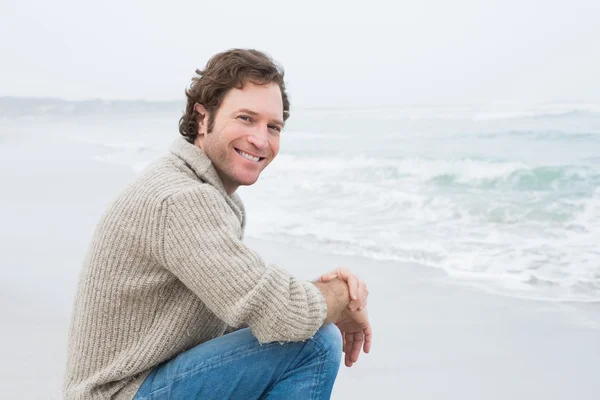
254,113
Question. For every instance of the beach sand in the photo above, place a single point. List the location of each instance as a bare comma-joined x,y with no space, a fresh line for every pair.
433,337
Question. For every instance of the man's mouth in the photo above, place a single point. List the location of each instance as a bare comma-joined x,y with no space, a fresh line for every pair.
249,156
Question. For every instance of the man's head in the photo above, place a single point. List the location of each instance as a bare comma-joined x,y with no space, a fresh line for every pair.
235,111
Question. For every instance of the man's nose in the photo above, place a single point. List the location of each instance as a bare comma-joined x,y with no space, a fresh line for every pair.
259,137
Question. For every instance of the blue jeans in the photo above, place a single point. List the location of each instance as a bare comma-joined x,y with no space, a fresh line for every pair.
236,366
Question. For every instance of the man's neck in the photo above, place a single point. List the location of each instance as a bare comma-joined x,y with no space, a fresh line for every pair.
229,187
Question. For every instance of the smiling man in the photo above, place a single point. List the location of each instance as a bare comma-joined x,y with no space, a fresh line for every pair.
171,304
244,141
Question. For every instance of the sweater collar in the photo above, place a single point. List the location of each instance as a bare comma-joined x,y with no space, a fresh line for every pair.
199,162
204,169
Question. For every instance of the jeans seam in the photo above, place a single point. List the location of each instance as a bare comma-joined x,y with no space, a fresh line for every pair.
321,350
317,382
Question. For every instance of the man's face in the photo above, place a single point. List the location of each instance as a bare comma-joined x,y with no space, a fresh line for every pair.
245,137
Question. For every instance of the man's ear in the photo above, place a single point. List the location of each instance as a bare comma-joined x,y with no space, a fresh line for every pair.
202,118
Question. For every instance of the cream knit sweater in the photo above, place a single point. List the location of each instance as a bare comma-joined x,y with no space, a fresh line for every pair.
166,271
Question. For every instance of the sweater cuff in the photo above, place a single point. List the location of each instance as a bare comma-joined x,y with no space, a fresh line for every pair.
317,304
295,319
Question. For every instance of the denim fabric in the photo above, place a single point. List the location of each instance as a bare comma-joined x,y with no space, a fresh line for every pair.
237,366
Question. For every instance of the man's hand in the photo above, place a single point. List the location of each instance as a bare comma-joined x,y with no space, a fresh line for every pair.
353,324
356,333
357,288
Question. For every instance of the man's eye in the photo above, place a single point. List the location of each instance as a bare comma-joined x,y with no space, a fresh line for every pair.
275,128
245,118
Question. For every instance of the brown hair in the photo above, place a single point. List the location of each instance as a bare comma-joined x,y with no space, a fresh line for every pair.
224,71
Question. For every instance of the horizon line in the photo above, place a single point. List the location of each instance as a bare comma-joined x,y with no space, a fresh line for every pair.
305,106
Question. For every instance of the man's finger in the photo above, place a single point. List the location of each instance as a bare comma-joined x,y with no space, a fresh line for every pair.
347,360
363,294
357,344
343,273
349,337
344,342
328,276
368,339
353,287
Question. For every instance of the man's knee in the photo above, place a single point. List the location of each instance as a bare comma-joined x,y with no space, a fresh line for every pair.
329,341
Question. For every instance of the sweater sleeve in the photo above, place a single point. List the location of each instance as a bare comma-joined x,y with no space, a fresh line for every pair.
200,245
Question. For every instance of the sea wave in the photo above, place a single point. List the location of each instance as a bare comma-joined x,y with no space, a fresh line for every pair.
444,173
529,230
554,112
474,112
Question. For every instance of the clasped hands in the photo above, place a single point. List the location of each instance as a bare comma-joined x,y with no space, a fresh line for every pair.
354,324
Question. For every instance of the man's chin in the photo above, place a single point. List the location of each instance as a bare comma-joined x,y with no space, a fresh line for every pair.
247,180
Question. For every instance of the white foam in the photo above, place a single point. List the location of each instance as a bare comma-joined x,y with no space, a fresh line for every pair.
529,243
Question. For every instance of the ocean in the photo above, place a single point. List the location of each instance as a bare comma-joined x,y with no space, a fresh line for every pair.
504,198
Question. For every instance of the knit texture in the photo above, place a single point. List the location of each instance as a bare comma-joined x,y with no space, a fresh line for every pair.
166,271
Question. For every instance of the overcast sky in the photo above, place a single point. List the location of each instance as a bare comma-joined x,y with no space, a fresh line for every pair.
334,52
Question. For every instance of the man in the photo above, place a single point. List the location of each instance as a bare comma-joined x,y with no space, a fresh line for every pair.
171,304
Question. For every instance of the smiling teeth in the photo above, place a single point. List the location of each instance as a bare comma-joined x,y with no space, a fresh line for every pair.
248,156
